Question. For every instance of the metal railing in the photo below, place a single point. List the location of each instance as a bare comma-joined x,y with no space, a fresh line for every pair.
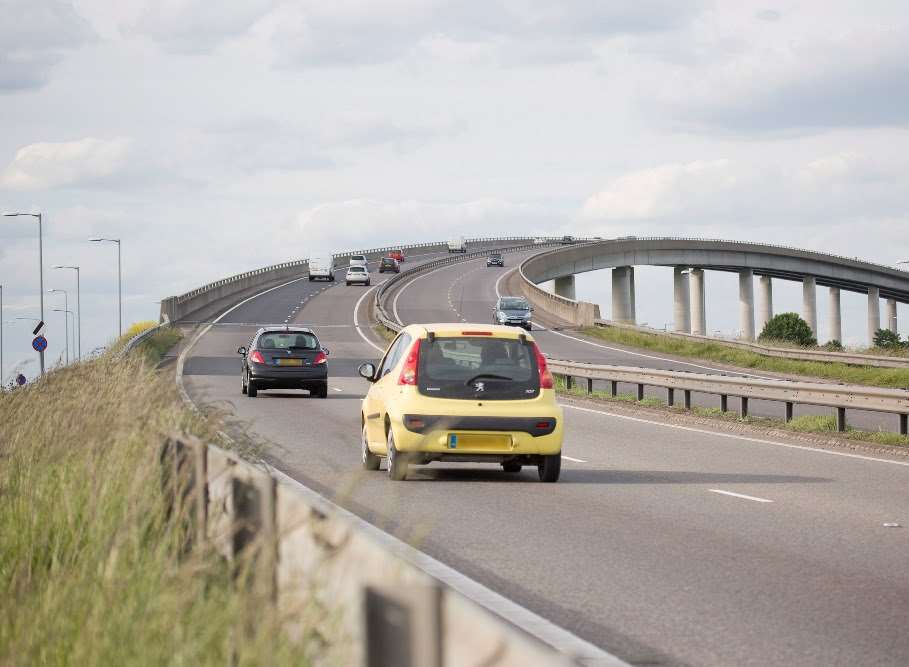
292,543
840,397
136,340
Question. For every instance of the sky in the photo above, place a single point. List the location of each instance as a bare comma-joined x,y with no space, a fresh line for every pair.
213,138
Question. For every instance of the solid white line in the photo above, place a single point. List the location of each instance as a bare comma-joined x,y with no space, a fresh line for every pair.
498,282
336,389
356,318
569,458
741,495
734,436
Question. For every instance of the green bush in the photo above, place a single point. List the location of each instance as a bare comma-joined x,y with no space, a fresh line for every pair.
790,328
833,346
886,339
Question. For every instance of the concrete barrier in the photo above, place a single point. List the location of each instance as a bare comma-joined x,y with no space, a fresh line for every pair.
392,604
576,313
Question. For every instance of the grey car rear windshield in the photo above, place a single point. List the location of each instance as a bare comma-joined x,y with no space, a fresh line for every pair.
514,304
284,340
478,368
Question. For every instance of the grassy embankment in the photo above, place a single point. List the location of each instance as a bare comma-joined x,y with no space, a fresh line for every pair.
724,354
817,424
92,570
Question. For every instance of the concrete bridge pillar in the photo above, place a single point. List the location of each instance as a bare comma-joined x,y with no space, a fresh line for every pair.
874,312
564,286
835,323
681,304
765,303
634,309
623,294
698,302
891,315
809,302
746,303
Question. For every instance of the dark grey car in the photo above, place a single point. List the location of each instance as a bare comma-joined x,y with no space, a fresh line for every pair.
284,358
512,311
495,259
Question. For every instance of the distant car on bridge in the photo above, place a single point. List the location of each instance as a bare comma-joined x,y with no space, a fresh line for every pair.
389,264
397,255
357,274
495,259
512,311
461,393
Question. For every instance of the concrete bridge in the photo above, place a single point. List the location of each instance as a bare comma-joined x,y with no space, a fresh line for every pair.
691,258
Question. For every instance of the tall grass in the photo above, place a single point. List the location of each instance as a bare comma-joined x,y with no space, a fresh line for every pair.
92,570
725,354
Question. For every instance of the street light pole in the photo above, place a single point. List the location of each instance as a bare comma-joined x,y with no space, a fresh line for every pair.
1,338
66,314
40,265
78,316
65,306
119,279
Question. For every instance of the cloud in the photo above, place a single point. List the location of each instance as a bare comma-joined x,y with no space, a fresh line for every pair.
196,26
364,222
664,191
42,166
34,35
763,74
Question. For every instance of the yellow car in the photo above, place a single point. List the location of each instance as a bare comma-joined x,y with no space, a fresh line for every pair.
462,392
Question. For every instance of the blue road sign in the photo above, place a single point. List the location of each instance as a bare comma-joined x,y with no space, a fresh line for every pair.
20,379
39,343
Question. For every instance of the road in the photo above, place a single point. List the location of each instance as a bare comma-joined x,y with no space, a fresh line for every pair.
665,545
469,291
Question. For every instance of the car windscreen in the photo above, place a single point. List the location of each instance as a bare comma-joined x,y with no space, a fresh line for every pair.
283,340
474,367
356,269
514,304
357,258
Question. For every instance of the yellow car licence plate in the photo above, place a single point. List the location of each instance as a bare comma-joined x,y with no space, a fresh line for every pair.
288,362
480,441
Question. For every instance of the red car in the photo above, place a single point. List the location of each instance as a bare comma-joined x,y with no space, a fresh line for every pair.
397,254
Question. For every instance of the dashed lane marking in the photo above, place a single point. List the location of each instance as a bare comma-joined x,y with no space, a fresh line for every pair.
740,495
572,459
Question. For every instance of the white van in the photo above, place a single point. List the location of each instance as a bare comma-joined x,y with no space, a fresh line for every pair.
322,268
457,245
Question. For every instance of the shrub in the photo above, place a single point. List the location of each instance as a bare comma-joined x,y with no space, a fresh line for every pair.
833,346
884,338
790,328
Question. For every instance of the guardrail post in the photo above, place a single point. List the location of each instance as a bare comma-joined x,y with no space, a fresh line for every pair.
614,388
184,483
744,408
589,386
403,626
687,399
724,403
788,411
640,392
670,397
841,419
904,425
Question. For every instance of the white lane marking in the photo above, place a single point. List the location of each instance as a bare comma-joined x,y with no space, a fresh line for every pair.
650,356
499,281
356,319
734,436
740,495
569,458
336,389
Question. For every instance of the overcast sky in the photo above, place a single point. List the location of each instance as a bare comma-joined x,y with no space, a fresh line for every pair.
218,137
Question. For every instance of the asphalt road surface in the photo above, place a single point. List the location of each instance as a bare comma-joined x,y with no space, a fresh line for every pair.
665,545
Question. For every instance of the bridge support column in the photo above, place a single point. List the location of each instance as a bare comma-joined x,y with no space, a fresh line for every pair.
746,303
809,302
564,286
874,312
765,302
698,302
835,323
681,300
891,315
634,310
623,294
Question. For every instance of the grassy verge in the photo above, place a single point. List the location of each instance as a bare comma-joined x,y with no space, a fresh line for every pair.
92,569
824,425
385,334
877,377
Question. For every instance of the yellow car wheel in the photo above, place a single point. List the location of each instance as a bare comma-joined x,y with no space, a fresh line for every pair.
370,460
397,464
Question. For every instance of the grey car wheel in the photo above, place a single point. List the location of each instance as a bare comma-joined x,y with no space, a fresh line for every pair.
370,460
397,464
